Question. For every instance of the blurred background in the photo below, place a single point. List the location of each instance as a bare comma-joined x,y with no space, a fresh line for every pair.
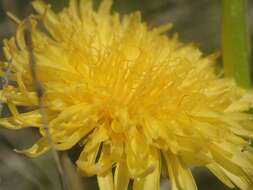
195,21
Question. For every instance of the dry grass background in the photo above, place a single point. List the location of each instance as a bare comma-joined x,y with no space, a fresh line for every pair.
196,21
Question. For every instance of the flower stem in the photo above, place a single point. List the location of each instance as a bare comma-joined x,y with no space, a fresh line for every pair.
235,41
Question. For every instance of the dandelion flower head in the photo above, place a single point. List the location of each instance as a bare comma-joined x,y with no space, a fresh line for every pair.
135,99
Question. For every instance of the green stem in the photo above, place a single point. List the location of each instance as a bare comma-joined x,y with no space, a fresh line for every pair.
235,41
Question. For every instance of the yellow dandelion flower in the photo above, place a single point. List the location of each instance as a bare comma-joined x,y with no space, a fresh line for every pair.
133,97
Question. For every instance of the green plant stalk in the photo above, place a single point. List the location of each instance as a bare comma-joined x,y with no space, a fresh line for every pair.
236,41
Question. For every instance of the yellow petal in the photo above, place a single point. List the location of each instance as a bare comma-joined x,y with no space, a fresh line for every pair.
236,126
240,181
86,161
105,7
225,161
163,28
215,169
20,36
121,176
242,104
85,8
98,136
181,177
71,140
117,150
105,182
197,159
74,9
80,110
39,148
50,19
138,143
152,180
90,169
121,122
19,98
28,119
88,165
136,166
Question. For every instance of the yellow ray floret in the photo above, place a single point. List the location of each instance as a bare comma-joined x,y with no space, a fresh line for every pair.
131,96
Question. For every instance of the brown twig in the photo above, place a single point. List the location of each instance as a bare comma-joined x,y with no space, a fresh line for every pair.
40,91
5,82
